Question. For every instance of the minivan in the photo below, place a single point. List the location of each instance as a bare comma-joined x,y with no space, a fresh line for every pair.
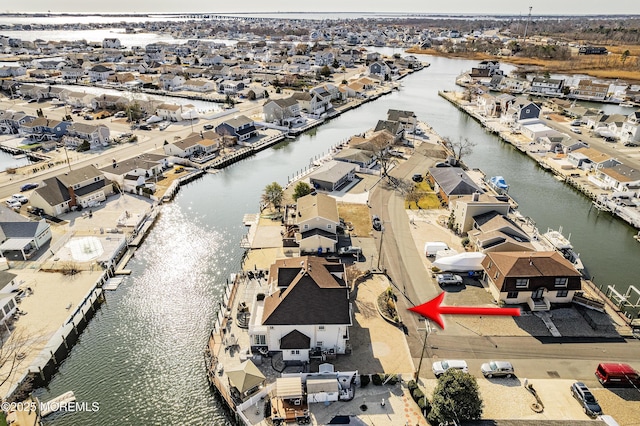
617,374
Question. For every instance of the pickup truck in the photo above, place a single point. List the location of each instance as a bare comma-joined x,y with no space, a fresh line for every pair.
444,279
349,250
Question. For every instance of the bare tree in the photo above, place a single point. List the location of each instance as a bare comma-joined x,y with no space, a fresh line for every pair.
459,149
414,195
14,347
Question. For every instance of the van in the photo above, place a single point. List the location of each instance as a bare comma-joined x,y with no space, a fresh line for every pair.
433,247
617,374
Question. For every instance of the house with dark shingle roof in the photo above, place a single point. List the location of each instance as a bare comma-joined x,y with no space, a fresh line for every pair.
334,176
317,220
452,182
20,237
77,133
83,188
308,309
537,278
241,127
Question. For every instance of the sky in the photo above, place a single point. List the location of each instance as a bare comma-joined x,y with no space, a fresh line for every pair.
540,7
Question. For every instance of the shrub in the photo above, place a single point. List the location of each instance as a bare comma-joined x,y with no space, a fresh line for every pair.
465,241
412,385
260,296
267,408
425,405
364,380
377,379
391,379
417,395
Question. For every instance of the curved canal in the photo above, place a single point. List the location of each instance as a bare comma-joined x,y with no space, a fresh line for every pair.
141,357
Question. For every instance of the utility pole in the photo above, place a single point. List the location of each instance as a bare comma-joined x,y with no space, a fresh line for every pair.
427,330
527,24
380,251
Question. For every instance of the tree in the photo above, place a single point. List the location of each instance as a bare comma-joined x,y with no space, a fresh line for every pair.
325,71
460,148
455,398
624,56
84,146
178,61
301,189
414,195
14,346
273,194
134,111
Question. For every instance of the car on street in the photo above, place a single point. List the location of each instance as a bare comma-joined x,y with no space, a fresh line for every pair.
449,279
583,395
576,130
443,164
28,186
629,143
376,223
497,369
417,177
208,127
20,198
13,203
440,367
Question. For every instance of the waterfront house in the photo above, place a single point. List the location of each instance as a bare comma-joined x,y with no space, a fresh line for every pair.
80,188
451,183
521,109
309,102
547,86
203,144
630,129
591,159
282,111
535,278
619,177
105,101
10,122
307,312
78,133
171,82
465,208
240,127
378,143
323,100
21,238
487,105
169,112
495,232
380,70
230,87
407,119
199,85
134,172
363,159
333,176
111,43
590,91
395,128
72,73
317,220
42,128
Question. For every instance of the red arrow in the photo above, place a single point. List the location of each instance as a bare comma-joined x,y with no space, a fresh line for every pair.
433,310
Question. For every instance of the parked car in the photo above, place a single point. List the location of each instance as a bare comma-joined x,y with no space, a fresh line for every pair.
377,223
13,203
208,127
576,130
617,374
584,396
28,186
445,279
440,367
35,210
443,164
350,250
497,369
120,114
629,143
417,177
145,127
20,198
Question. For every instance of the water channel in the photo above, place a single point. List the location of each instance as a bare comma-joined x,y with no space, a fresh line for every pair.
141,357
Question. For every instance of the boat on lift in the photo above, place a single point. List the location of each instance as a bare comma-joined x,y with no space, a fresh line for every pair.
563,245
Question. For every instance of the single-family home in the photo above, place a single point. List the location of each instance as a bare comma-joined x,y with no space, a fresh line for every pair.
11,122
547,86
465,208
495,232
134,172
451,183
169,112
78,133
281,111
630,129
360,157
241,127
100,73
619,177
522,109
8,303
42,128
199,85
203,144
171,82
21,238
591,159
590,90
317,221
307,309
333,175
537,278
80,188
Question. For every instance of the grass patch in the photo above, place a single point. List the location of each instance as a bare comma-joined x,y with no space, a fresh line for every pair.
358,215
428,198
31,147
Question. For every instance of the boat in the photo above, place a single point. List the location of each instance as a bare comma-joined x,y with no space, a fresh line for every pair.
463,262
637,237
564,247
57,403
627,104
499,184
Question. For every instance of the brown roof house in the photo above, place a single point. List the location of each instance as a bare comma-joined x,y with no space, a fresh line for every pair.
317,221
535,278
307,312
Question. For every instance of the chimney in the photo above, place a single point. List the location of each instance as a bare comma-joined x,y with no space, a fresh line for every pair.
476,196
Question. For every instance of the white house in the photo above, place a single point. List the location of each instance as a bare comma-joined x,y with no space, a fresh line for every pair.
317,220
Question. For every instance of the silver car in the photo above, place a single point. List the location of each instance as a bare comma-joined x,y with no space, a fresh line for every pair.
440,367
497,369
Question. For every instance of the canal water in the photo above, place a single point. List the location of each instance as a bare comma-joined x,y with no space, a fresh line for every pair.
141,357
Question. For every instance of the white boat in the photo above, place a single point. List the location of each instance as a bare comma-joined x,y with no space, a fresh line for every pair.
627,104
463,262
56,403
564,247
637,237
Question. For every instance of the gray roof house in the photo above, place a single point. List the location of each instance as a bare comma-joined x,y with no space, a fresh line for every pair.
21,237
333,177
452,182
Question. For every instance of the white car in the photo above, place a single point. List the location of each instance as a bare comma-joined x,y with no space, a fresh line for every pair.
576,130
440,367
13,204
20,198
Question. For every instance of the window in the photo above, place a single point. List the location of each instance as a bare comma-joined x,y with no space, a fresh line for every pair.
306,227
522,282
563,293
328,226
512,295
295,352
259,339
561,282
321,328
495,277
319,344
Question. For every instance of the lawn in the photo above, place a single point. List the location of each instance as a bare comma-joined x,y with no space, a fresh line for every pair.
428,199
358,215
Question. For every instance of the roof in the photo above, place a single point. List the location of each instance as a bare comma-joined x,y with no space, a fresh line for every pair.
246,378
15,244
622,173
319,205
532,264
354,155
334,173
239,121
322,384
454,181
6,278
295,340
289,387
310,291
